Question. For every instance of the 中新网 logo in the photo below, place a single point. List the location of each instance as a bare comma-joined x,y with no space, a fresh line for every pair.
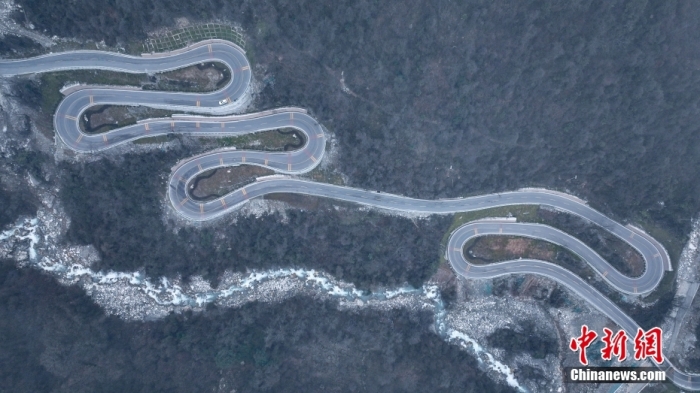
647,344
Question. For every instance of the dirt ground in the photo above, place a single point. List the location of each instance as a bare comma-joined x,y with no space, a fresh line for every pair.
197,78
634,260
503,248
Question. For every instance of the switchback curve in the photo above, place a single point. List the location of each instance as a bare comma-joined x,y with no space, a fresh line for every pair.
305,159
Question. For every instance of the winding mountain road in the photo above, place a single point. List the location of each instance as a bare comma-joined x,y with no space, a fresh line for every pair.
79,99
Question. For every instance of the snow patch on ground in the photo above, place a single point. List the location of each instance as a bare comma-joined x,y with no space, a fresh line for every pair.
494,364
687,268
679,328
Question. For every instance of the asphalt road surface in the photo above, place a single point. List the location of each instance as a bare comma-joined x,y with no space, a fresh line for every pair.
309,155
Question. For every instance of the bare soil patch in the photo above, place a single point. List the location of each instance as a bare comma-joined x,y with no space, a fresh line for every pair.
517,246
197,78
487,249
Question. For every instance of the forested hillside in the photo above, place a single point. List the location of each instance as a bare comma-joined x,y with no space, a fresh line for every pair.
56,340
118,208
455,98
446,99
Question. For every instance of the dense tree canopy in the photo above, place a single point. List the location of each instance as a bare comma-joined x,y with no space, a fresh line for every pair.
56,340
456,98
123,219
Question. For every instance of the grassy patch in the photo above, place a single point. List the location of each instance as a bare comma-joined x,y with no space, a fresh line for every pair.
264,141
673,244
667,284
524,213
221,181
154,139
674,247
326,175
180,38
53,82
104,118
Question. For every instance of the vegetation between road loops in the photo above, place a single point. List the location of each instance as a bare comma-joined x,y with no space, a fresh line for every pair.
180,38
